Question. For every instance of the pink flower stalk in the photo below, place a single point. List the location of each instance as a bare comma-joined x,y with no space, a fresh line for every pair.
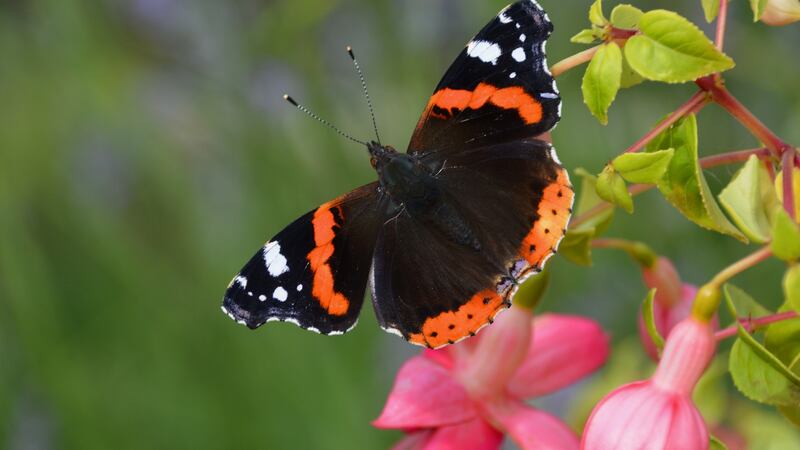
469,395
658,413
672,304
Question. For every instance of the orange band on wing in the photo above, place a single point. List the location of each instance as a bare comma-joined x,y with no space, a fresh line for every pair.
324,222
451,326
547,231
515,97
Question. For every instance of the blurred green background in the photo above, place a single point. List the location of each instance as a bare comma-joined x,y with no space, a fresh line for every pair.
145,154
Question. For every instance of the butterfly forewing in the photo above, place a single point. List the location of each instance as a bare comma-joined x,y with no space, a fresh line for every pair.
497,90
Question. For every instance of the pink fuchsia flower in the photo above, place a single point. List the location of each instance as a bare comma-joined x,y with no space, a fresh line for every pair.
672,304
470,395
658,413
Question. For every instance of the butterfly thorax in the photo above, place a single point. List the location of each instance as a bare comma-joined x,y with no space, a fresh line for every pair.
412,188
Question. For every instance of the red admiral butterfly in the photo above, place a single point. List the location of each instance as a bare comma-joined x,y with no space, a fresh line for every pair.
452,226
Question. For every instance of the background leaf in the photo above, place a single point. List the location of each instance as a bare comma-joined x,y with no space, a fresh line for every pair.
626,16
673,50
710,9
791,287
684,185
577,246
612,188
647,167
587,200
743,304
602,80
785,237
750,200
757,376
629,77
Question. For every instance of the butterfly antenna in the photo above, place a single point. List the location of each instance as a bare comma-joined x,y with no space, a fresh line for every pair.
366,93
321,120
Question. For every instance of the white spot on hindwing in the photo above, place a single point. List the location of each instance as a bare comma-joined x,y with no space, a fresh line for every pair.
518,54
485,51
522,37
262,298
280,294
512,75
274,260
299,287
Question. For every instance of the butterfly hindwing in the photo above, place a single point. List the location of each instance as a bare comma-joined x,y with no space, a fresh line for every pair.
514,200
498,89
314,272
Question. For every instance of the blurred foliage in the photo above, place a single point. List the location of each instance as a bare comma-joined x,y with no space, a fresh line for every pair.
145,154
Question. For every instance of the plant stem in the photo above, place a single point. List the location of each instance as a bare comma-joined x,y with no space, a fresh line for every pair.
752,324
787,165
696,101
573,61
733,157
722,18
740,266
720,94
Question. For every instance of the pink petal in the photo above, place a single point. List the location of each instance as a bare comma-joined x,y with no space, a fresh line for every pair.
499,351
530,428
473,435
563,350
425,395
414,441
442,356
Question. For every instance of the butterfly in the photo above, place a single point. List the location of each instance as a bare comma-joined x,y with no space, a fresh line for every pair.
452,226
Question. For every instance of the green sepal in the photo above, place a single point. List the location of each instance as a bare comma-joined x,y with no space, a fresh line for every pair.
612,188
648,314
625,17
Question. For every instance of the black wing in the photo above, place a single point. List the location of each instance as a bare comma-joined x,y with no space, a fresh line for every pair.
514,201
314,272
499,89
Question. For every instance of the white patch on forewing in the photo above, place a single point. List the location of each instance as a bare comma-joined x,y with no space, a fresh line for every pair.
280,294
485,51
548,95
522,37
262,298
554,157
250,293
512,75
240,280
518,54
299,287
517,25
274,260
503,17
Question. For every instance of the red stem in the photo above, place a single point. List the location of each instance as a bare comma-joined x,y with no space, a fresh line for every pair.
714,86
722,19
697,101
733,157
787,165
752,324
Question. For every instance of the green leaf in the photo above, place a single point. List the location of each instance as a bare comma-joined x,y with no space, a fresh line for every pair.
758,7
602,80
783,339
648,167
673,50
750,200
710,9
629,77
684,185
626,16
589,199
743,304
531,291
710,394
716,444
650,321
577,246
785,237
759,375
611,188
586,36
596,15
791,287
